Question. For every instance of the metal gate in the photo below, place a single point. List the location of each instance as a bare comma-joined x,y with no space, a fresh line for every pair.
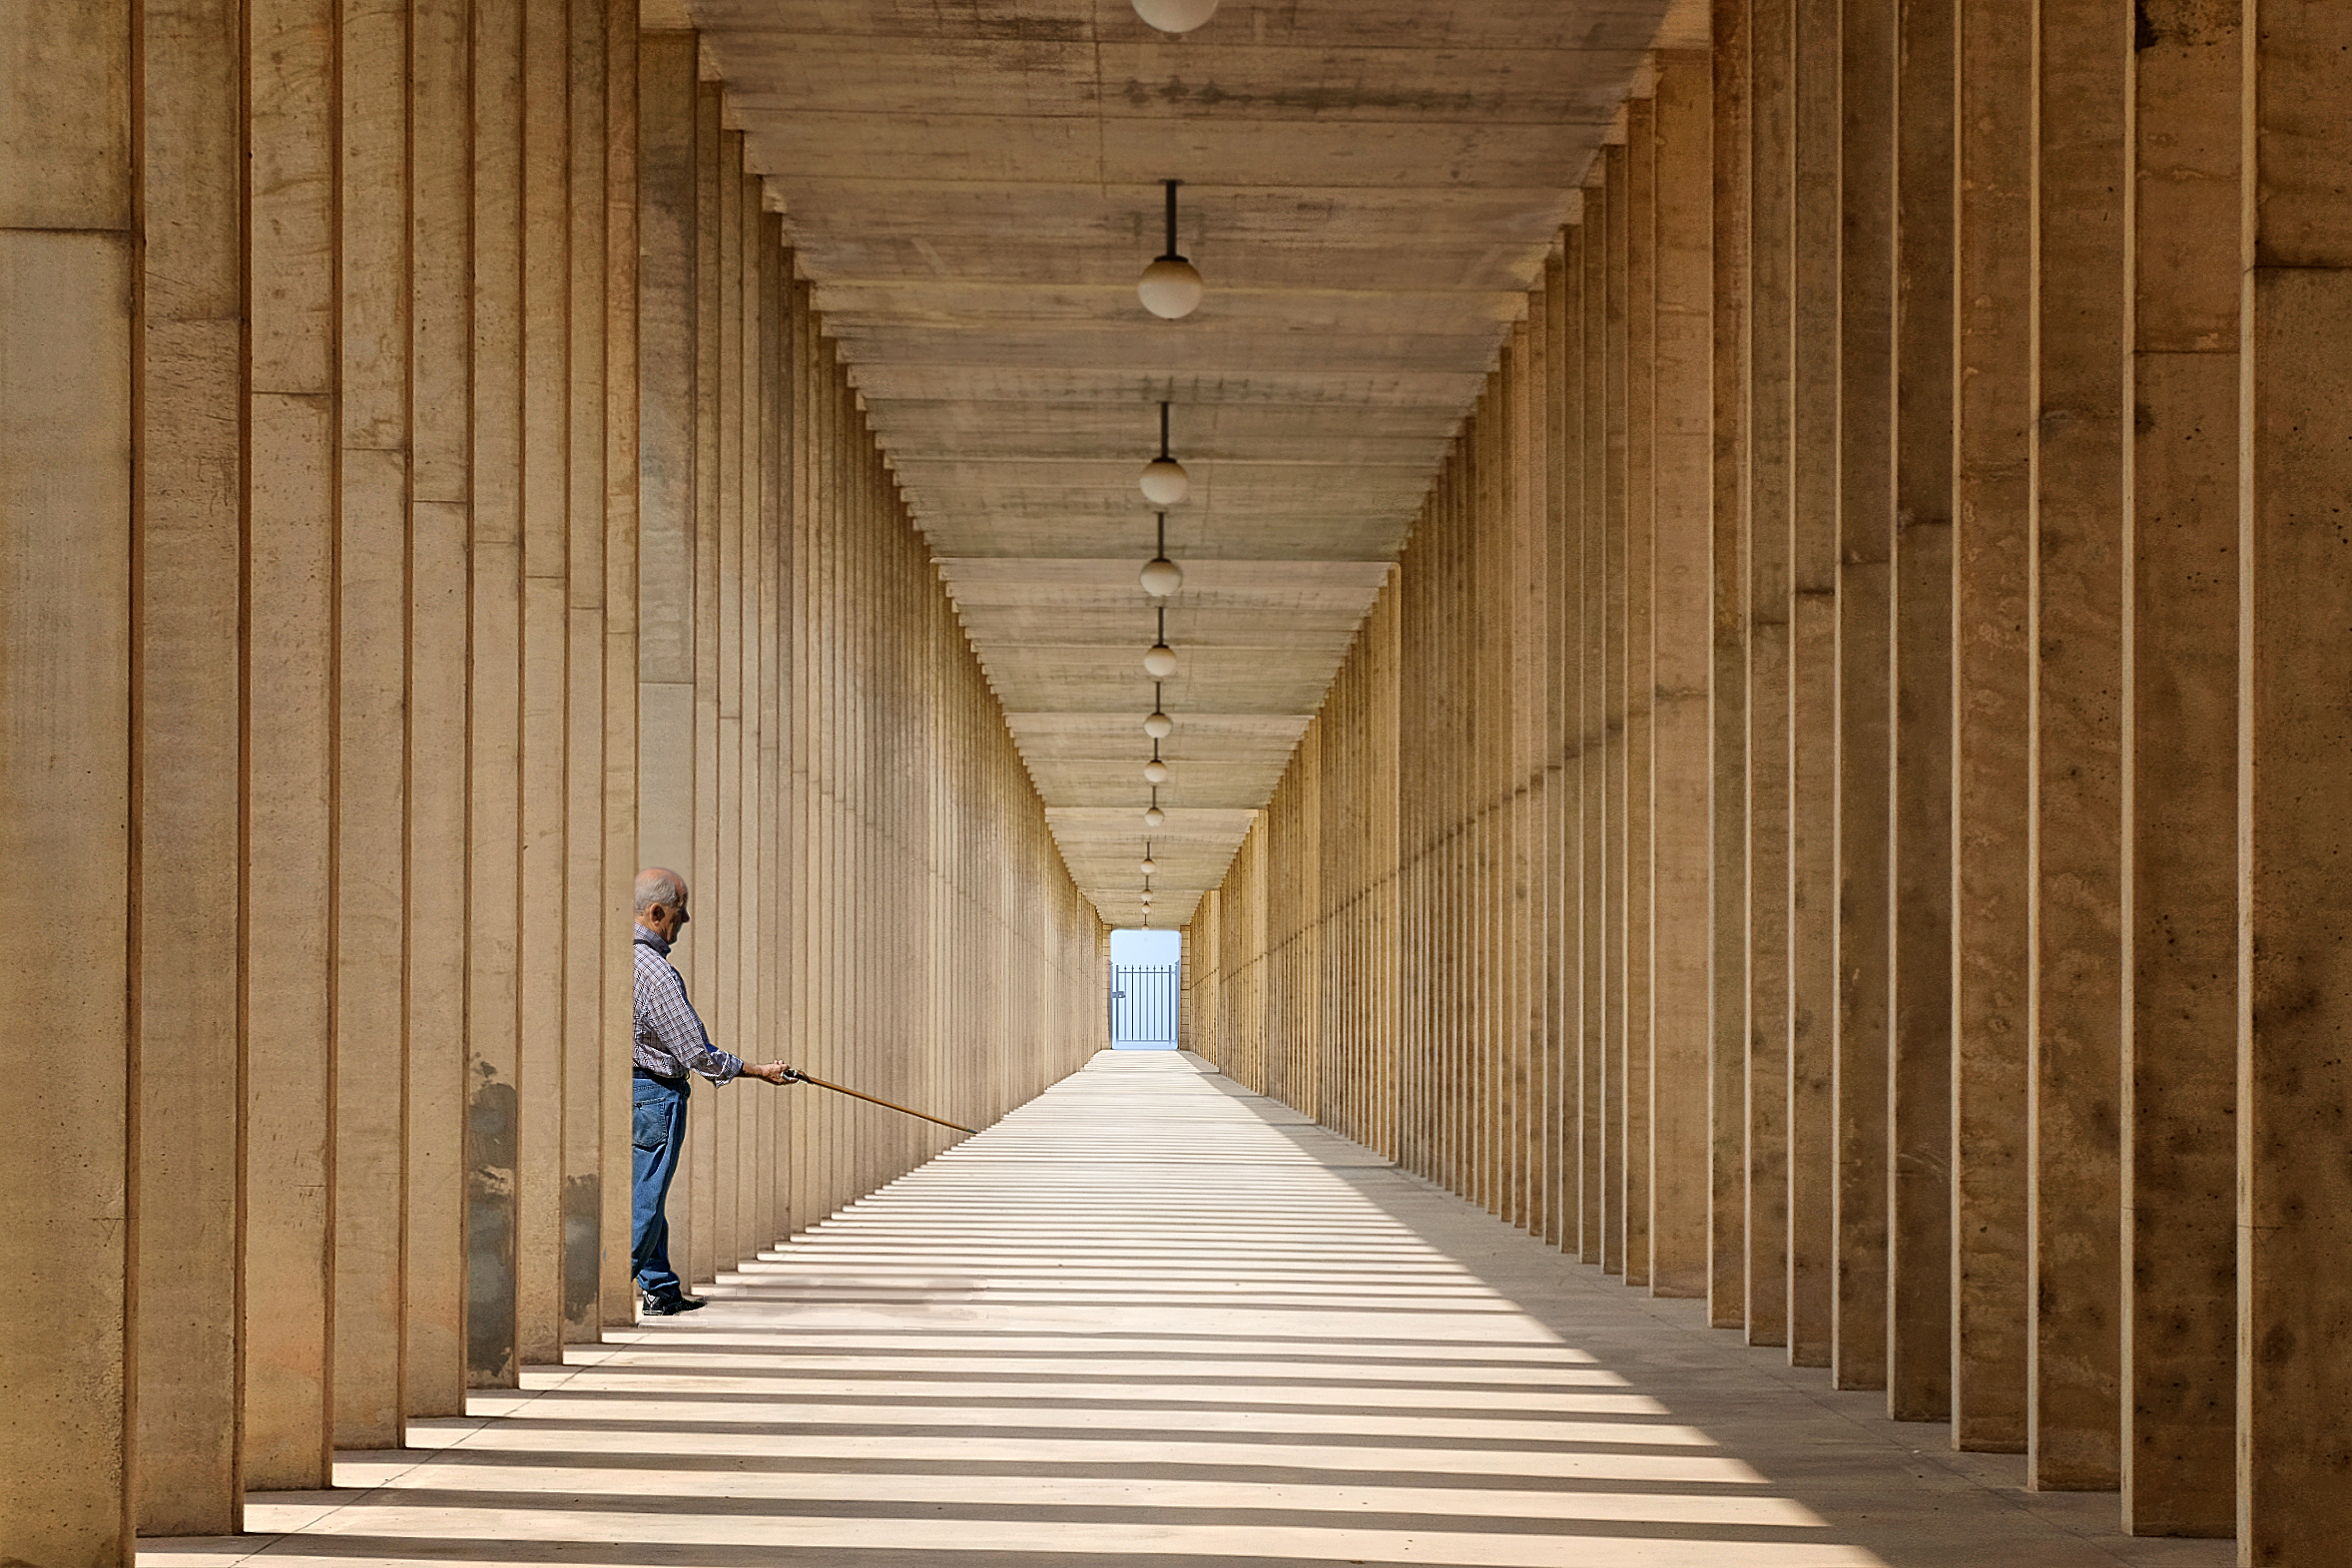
1143,1005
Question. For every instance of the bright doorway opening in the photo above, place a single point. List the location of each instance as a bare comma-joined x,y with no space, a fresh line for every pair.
1146,1000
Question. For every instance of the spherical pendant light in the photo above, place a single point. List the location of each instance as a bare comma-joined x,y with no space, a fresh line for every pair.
1158,724
1159,662
1165,482
1175,16
1171,287
1150,866
1155,771
1161,575
1153,816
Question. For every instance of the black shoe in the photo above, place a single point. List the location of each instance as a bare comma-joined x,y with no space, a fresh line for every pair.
672,1306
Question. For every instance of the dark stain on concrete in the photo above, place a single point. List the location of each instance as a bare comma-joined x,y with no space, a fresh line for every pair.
491,1121
582,1233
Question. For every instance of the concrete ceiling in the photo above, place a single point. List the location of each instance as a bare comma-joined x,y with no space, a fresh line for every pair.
973,186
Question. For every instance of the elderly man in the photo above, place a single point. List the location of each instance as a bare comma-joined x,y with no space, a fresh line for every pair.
671,1042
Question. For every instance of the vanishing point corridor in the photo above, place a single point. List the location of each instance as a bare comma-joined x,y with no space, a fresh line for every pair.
1151,1320
1715,630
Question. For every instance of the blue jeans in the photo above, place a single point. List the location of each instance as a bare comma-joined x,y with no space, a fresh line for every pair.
656,1129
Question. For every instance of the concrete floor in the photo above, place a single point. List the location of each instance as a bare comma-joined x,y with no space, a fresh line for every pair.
1151,1320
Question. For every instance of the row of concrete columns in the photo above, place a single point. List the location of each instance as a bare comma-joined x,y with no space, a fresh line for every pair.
426,495
1841,810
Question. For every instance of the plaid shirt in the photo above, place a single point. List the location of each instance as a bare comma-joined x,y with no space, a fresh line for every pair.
670,1038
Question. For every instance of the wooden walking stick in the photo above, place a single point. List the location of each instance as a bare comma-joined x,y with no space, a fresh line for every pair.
795,1075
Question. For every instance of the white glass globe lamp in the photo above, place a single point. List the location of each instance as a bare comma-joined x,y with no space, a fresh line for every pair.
1159,726
1175,16
1153,816
1155,771
1161,577
1171,288
1165,482
1159,662
1150,866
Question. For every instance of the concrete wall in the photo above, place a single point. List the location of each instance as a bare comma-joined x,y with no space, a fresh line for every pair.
430,495
1839,809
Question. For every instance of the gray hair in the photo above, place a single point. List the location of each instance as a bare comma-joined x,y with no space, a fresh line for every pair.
656,885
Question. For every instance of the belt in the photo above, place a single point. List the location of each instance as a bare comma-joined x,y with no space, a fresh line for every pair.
667,1083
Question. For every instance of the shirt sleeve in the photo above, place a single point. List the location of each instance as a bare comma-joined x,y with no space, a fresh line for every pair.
674,1023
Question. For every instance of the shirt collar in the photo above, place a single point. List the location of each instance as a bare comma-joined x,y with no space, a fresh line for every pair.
652,939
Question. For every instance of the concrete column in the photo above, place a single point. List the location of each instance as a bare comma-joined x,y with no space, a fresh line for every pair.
805,803
2179,932
1484,499
2295,907
494,822
724,938
1383,833
1816,228
1444,641
768,809
1681,631
291,675
1413,1032
1561,877
1919,1066
1727,700
1993,721
1498,501
1640,675
1592,620
371,662
1866,541
801,888
1613,221
666,381
190,486
620,501
545,643
1306,948
1532,683
67,507
2073,1279
692,1249
591,917
1770,406
440,359
1564,308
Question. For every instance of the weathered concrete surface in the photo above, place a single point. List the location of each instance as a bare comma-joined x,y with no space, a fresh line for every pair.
1149,1317
290,674
68,269
2178,1182
1728,697
191,1212
1683,635
1767,419
1919,1066
2294,760
2075,1088
369,1341
1816,223
1865,754
1992,651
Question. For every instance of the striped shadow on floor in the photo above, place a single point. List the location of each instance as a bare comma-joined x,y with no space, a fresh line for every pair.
1149,1320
